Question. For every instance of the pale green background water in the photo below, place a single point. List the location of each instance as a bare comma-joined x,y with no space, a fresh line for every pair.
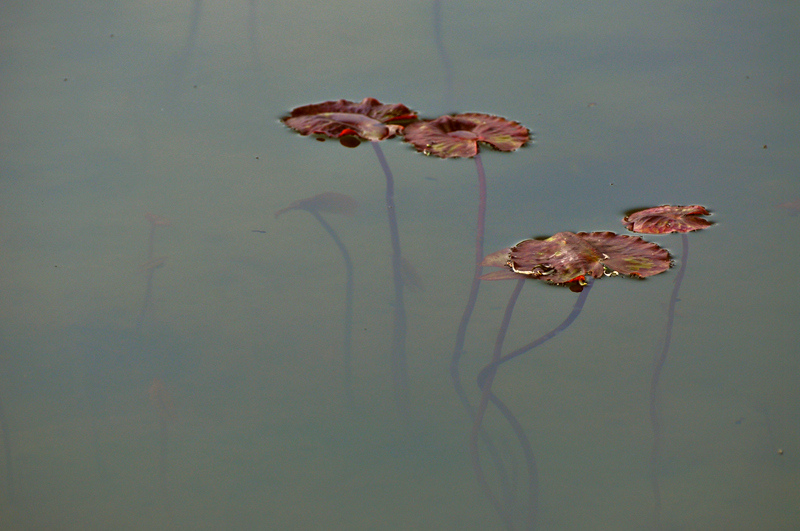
108,113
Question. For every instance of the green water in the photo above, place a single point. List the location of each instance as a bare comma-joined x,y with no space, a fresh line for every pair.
109,112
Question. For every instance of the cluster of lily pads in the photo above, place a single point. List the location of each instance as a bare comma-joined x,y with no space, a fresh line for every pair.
564,259
449,136
372,121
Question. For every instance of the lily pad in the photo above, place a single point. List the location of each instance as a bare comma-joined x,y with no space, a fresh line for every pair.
350,122
458,135
566,258
666,219
628,255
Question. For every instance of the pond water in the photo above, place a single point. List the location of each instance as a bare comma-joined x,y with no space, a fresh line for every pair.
205,389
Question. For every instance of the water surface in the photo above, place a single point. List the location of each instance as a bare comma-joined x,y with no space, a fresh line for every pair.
111,110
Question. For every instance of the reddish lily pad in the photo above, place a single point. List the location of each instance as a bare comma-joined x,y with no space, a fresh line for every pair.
666,219
458,135
329,202
350,122
628,255
568,258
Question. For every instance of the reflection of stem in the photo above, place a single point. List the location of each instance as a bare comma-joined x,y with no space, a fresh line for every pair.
163,444
530,459
252,36
163,440
148,295
473,292
485,390
448,69
150,242
148,292
458,350
348,315
185,56
398,350
485,379
576,310
4,432
660,360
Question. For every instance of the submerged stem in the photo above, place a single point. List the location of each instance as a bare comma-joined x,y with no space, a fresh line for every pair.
576,310
455,375
659,362
485,379
485,392
398,348
461,334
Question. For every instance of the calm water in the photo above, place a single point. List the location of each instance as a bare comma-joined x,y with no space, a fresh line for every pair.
208,392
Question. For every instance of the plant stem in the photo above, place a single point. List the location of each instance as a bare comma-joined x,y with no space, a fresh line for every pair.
576,310
397,356
455,375
660,360
485,390
530,459
485,379
461,334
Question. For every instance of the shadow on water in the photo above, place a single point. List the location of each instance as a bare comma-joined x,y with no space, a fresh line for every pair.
352,123
121,362
180,64
128,361
5,433
161,401
336,203
504,507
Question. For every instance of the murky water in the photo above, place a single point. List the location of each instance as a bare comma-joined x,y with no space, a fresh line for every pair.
113,110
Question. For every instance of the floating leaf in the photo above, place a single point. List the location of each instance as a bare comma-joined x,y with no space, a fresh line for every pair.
350,122
568,258
329,202
560,258
666,219
372,121
629,255
458,135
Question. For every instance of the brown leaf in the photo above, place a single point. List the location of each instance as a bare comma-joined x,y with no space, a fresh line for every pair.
369,120
666,219
568,258
458,135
